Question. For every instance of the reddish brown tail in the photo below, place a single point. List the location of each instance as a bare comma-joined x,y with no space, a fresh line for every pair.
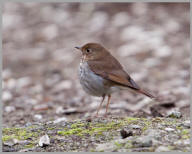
146,93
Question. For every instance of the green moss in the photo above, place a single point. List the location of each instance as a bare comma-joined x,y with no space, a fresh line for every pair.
50,128
92,150
170,147
147,125
185,133
7,137
169,122
77,125
31,145
118,145
92,129
17,133
128,145
70,131
179,127
131,120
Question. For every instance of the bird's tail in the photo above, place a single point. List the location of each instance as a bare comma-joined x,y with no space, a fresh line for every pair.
144,92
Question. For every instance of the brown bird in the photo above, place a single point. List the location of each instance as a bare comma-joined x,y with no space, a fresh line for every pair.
101,74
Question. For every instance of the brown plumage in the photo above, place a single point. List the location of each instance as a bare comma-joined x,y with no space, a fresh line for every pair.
100,62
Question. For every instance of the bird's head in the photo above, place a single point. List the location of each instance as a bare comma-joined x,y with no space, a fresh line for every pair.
92,51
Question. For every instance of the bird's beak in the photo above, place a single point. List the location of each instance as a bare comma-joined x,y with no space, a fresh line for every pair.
79,48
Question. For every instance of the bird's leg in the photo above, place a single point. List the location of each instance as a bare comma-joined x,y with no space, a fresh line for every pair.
108,102
103,98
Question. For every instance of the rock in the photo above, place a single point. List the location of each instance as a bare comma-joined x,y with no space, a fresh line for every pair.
6,74
9,109
162,149
64,85
144,141
151,62
184,142
38,117
6,96
154,133
36,89
186,124
126,133
162,52
41,107
10,84
23,82
60,120
156,111
60,110
31,101
107,147
139,76
174,114
181,90
44,141
140,104
110,146
169,129
54,79
135,126
11,142
28,124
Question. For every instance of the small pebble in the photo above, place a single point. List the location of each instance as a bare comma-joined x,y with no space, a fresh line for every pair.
162,149
6,73
11,84
174,114
143,142
41,107
60,120
11,142
23,82
126,133
169,129
9,109
64,85
6,96
38,117
135,126
60,110
44,141
186,124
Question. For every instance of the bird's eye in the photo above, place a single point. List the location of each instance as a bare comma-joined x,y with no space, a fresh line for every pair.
88,50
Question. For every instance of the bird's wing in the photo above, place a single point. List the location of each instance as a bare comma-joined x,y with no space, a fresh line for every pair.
112,71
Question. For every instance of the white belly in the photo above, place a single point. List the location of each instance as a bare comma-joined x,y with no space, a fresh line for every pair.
92,83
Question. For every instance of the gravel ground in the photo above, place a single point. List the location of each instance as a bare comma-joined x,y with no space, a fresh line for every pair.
40,64
112,134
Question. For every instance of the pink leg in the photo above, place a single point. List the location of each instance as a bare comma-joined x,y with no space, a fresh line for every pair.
108,102
103,98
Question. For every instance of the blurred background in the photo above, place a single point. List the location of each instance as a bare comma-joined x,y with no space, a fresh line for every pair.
40,64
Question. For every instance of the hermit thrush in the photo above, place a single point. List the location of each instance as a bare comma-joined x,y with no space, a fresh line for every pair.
101,74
